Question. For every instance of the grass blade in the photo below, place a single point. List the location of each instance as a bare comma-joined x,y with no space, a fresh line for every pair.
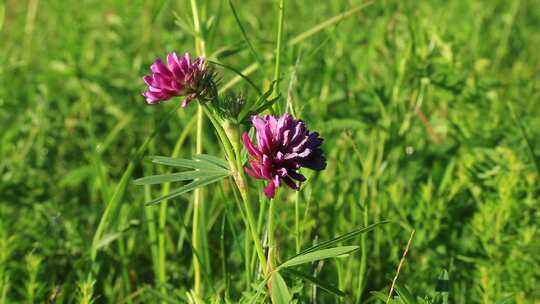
187,188
294,41
244,34
405,295
186,163
329,22
315,281
280,291
239,74
119,191
342,238
319,255
527,139
2,14
176,177
107,239
376,295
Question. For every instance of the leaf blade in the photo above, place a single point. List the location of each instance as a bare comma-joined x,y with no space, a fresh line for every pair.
405,295
187,188
213,159
343,237
323,285
185,163
175,177
319,255
280,292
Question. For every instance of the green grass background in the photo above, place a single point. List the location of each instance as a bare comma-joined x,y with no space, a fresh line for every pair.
429,110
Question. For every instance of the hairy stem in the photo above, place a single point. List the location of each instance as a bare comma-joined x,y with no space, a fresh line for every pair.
197,196
233,133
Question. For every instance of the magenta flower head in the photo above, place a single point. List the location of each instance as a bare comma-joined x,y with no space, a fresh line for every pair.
284,145
181,76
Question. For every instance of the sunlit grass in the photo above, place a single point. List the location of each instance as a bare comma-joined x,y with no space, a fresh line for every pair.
429,112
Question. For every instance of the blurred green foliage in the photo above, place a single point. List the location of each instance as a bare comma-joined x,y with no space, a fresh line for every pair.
420,104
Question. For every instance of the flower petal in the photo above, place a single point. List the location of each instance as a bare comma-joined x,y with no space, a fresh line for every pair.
174,66
270,190
289,182
159,68
284,145
250,147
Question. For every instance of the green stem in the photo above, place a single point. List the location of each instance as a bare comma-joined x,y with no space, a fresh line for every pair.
124,258
271,236
297,221
161,249
241,183
367,169
232,132
260,221
152,235
363,256
162,275
229,135
278,46
196,234
197,196
199,42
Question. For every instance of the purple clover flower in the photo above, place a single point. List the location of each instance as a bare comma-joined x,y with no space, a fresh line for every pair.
179,77
284,145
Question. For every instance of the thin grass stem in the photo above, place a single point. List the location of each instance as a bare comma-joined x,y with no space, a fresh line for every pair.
198,231
277,62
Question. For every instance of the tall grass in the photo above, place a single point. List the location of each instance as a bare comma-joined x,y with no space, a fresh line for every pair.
429,112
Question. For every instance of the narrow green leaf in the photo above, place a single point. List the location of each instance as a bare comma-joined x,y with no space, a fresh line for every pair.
316,281
244,33
114,133
107,239
260,289
246,71
213,159
443,286
162,297
267,104
2,14
343,237
226,51
239,74
266,95
280,291
535,159
187,188
506,300
76,176
379,296
405,295
329,22
262,101
176,177
118,194
295,40
185,163
319,255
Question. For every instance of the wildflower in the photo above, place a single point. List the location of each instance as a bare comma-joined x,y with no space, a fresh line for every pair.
284,145
179,77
